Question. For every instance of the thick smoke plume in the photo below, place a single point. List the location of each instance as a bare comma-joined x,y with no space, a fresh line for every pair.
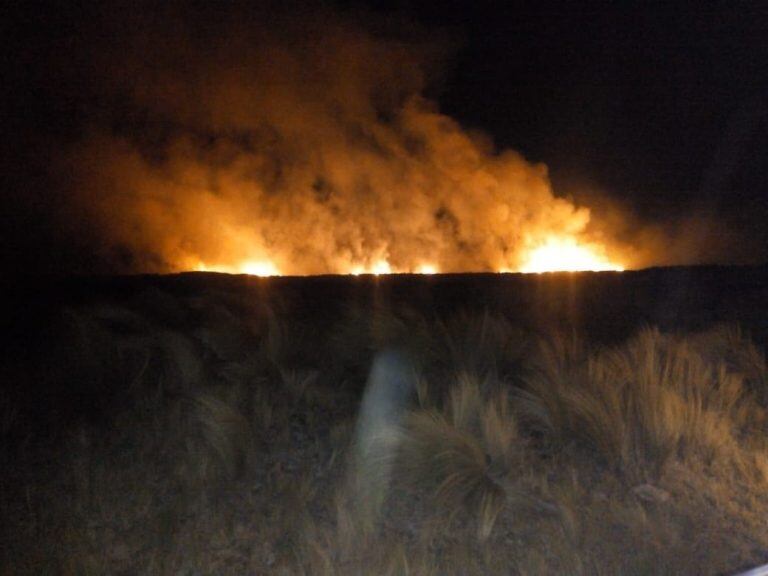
300,143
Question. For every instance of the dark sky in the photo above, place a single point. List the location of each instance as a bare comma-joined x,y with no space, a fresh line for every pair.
662,107
663,103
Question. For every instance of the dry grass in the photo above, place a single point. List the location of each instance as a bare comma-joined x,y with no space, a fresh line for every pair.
234,444
463,457
656,398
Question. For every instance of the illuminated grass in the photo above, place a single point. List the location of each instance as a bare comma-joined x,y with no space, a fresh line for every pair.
658,397
236,440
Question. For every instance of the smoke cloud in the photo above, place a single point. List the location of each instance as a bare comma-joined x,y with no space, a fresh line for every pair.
300,142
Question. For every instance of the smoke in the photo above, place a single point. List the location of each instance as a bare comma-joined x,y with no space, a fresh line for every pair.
301,141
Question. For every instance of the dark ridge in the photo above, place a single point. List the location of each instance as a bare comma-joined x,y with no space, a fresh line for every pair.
607,306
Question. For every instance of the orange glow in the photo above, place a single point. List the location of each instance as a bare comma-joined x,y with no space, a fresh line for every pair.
302,169
383,267
379,267
264,268
252,268
427,269
559,254
555,254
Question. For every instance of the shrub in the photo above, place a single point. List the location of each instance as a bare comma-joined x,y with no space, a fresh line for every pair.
654,398
462,456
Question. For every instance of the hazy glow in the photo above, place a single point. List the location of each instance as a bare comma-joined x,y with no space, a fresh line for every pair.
378,267
264,268
555,254
252,268
384,267
567,255
381,267
275,165
426,269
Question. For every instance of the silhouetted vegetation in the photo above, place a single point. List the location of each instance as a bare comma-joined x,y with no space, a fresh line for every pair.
208,426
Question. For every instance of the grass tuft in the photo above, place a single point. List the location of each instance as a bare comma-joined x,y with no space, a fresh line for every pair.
461,456
655,398
235,438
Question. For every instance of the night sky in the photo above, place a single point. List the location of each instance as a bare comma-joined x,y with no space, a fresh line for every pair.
660,103
657,111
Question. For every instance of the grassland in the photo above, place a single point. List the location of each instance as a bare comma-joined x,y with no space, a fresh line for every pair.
216,427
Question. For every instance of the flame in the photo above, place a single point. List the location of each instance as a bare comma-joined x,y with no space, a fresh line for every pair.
252,268
563,254
384,267
379,267
554,254
264,268
273,164
427,269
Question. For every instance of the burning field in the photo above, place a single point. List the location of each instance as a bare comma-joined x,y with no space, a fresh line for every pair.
270,309
311,151
468,424
272,145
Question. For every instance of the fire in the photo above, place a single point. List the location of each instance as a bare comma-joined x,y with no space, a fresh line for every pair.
251,267
554,254
264,268
383,267
331,162
380,267
567,255
427,269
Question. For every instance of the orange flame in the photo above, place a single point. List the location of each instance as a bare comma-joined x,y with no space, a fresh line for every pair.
554,254
559,254
383,267
295,168
252,268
